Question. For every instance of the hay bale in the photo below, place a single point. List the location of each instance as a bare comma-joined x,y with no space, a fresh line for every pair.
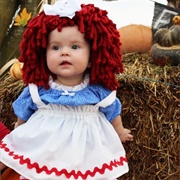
150,96
10,89
151,109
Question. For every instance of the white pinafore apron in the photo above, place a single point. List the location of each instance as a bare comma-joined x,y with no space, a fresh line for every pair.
64,142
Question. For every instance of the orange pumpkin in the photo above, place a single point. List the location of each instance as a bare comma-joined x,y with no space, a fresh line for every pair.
135,38
9,174
16,70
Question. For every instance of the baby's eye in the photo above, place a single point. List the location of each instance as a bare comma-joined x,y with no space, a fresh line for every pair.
56,48
75,47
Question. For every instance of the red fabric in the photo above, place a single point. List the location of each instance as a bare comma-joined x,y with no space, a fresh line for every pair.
3,131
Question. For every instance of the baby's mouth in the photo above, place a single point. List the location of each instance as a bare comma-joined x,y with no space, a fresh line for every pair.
65,63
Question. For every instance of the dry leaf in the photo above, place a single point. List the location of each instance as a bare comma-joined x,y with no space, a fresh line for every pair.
23,18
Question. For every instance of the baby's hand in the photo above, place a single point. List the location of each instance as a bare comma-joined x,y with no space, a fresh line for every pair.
16,125
126,135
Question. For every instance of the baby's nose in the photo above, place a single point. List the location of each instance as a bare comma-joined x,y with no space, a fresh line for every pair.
65,51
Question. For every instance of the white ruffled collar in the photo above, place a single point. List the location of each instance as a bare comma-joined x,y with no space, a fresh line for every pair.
78,87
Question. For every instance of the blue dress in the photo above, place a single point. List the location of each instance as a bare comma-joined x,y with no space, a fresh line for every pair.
68,134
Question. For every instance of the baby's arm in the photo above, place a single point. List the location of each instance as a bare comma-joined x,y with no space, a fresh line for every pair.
124,134
19,122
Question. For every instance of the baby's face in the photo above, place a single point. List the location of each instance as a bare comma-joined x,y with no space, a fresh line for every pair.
68,54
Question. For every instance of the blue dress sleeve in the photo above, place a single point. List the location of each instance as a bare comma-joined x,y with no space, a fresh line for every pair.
112,111
23,106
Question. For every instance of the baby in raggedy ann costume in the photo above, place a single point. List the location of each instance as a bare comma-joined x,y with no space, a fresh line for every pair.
69,124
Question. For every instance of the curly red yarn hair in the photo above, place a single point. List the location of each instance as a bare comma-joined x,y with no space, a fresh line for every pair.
106,58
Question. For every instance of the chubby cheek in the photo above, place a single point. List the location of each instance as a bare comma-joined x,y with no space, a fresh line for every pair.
51,62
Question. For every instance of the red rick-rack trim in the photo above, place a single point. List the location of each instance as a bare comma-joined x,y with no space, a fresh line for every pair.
45,169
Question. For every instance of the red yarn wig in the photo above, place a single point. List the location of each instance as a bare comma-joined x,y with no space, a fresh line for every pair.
97,28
